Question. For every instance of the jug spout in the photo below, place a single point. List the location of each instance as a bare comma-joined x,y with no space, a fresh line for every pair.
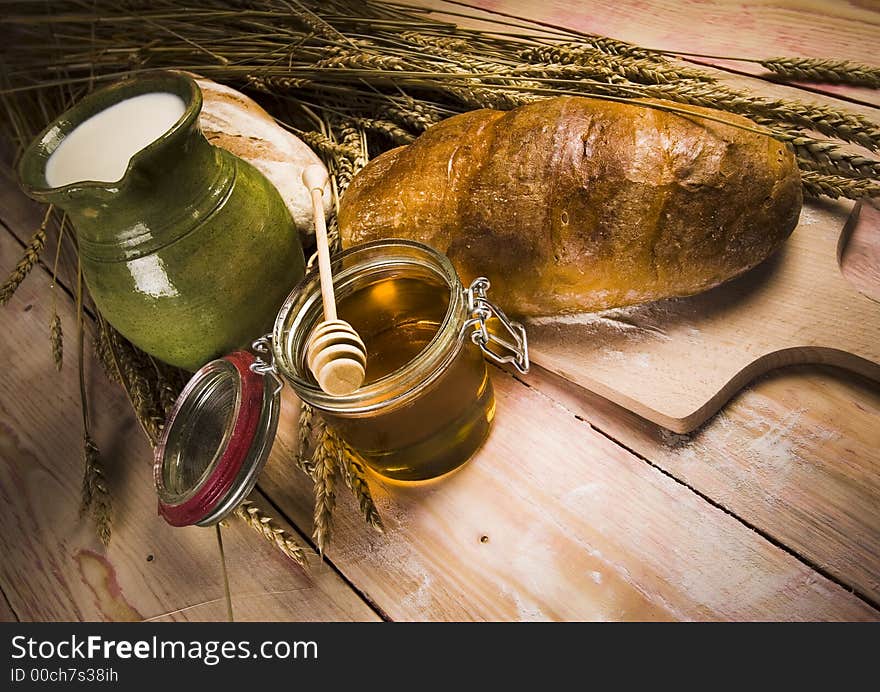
109,160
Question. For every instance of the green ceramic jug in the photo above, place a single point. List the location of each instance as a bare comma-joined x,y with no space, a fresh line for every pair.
192,252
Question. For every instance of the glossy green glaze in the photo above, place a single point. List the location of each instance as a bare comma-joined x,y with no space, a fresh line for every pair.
193,251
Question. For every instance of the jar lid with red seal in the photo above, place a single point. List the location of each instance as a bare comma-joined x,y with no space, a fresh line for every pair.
217,438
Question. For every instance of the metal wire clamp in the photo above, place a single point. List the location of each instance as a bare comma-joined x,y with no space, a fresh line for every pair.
262,349
481,310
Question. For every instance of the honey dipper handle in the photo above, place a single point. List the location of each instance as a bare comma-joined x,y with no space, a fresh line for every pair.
315,178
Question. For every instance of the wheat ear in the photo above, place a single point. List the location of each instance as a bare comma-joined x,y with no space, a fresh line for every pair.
834,186
95,494
828,157
384,127
266,526
56,334
354,476
304,435
325,471
56,339
28,260
824,71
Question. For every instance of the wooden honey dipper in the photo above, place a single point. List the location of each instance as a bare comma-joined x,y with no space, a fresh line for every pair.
336,355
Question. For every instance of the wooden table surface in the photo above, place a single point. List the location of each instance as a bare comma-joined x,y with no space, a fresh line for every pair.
574,509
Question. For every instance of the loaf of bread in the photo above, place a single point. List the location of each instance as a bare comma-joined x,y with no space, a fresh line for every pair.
235,122
574,204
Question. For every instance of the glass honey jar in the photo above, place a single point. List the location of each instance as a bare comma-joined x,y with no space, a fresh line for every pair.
426,404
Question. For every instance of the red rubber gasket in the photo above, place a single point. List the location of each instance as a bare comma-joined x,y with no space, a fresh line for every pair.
244,430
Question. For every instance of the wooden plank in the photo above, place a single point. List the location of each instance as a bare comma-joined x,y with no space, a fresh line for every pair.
807,28
54,568
796,455
552,520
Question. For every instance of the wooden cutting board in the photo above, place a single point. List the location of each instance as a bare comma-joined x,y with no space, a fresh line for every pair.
676,362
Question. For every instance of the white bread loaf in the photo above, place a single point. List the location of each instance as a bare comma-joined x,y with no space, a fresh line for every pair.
237,123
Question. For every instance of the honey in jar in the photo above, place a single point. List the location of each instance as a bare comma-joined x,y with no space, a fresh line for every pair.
427,402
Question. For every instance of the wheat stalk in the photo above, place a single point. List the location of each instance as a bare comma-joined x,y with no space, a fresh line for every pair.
411,113
849,127
489,70
56,334
129,363
362,61
825,71
89,455
487,97
95,495
332,457
343,172
649,72
139,387
396,134
265,525
633,68
551,70
103,352
447,43
452,51
352,136
324,462
271,84
354,140
304,435
354,476
28,260
313,21
828,157
834,186
56,339
613,46
168,391
323,144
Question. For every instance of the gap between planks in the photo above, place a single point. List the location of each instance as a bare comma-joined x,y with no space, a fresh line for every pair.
7,612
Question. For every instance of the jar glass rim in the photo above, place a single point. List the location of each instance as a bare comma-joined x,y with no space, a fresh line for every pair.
199,395
421,370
